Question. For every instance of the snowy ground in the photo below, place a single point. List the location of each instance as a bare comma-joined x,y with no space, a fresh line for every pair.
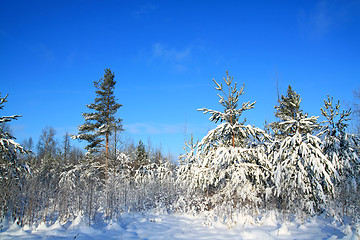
151,226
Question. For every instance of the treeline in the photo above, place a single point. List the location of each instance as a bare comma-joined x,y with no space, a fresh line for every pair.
61,189
295,166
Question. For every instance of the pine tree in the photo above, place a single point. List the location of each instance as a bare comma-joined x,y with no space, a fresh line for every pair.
141,154
100,123
11,168
66,147
341,149
229,100
302,173
288,110
226,165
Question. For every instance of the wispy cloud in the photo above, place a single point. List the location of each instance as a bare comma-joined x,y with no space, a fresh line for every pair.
44,51
70,58
144,9
177,57
147,128
325,16
170,54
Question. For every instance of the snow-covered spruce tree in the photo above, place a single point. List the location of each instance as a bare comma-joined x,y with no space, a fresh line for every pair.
141,157
11,169
302,173
100,123
226,165
341,148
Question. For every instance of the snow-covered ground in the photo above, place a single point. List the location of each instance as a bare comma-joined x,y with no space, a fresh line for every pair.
152,226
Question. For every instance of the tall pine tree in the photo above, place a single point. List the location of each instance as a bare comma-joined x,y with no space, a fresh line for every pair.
100,123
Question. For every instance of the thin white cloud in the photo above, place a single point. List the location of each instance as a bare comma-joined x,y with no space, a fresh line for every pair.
170,54
71,58
177,58
144,9
153,129
325,16
43,51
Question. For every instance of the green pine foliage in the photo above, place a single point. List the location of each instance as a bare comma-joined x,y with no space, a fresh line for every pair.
342,150
302,172
100,123
141,155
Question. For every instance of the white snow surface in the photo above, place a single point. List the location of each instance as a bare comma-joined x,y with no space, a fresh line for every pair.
153,226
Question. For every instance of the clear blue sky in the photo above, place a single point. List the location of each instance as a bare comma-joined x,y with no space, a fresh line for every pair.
165,54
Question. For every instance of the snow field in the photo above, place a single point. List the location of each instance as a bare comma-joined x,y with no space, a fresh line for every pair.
157,227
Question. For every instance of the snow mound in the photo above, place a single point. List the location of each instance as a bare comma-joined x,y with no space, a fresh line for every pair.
283,230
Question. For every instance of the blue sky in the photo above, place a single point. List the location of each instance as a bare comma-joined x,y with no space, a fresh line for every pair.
165,54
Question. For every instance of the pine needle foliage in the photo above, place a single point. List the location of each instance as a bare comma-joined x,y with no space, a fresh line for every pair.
11,167
227,169
229,100
342,149
101,122
302,172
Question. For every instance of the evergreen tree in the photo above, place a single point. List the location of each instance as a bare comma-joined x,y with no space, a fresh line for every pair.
302,173
11,168
100,123
141,154
66,147
287,110
28,144
227,165
341,149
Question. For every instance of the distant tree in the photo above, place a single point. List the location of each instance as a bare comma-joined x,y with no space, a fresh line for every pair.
66,147
11,168
141,155
28,144
100,124
47,145
76,154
